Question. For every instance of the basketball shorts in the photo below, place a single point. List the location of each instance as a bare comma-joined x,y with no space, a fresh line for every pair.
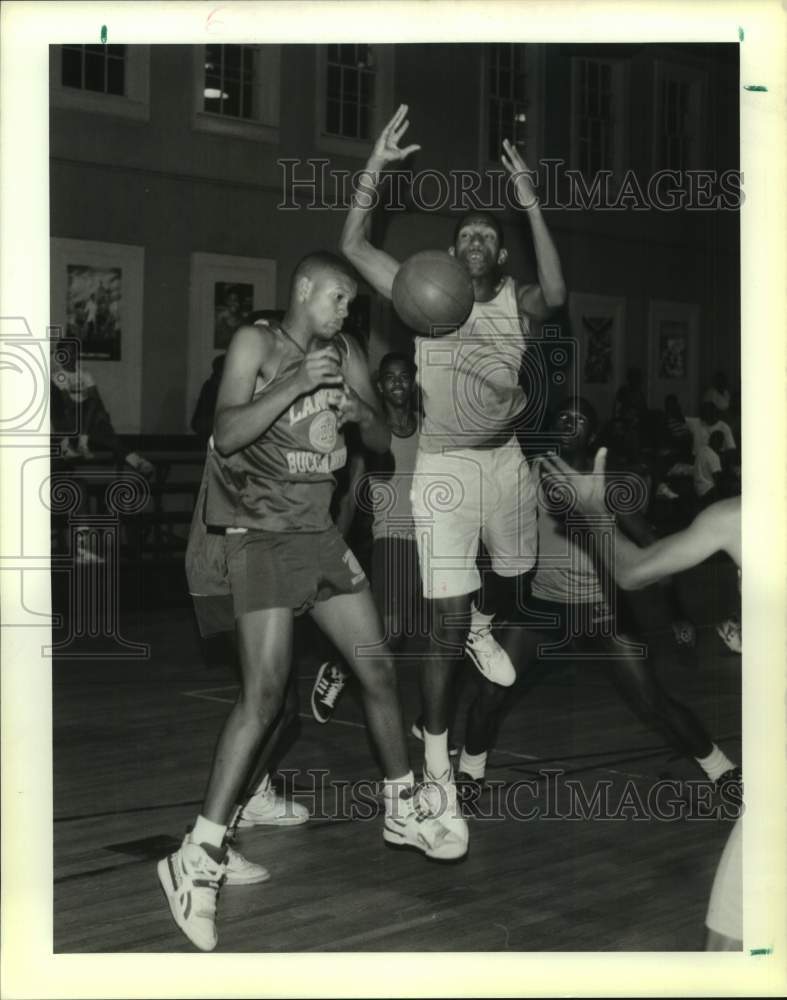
271,569
593,630
725,908
461,497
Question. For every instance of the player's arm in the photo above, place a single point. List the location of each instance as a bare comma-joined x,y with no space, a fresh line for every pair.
360,405
348,502
541,299
376,266
241,419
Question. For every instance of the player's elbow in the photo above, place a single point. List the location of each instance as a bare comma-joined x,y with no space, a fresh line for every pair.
555,296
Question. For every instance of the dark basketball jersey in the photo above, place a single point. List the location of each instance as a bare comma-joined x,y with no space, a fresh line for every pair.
284,480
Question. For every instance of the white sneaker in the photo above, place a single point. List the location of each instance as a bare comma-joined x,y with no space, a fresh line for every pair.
417,820
191,878
241,871
445,788
489,656
267,808
66,451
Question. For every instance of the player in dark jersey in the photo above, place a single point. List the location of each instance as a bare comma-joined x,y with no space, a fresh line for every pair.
287,391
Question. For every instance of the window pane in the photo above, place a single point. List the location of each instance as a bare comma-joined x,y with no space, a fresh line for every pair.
95,48
334,82
116,76
363,123
367,88
333,53
349,119
247,109
350,85
94,71
232,58
231,104
332,117
72,68
116,50
347,55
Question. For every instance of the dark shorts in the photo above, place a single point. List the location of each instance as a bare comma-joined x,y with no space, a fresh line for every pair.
269,569
589,630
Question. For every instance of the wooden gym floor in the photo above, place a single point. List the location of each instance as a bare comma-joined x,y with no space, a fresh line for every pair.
133,741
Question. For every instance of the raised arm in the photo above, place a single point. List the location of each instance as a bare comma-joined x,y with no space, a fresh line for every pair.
716,529
241,419
541,299
360,404
376,266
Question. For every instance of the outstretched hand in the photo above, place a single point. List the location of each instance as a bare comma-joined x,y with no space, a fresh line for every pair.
515,165
386,149
589,489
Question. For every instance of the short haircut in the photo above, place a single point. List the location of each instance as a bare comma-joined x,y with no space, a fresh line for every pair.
318,263
716,440
584,406
709,413
394,357
479,215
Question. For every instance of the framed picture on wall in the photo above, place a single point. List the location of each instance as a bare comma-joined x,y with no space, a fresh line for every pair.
223,289
672,353
96,298
597,323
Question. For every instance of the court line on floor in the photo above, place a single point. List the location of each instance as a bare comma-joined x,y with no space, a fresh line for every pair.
198,693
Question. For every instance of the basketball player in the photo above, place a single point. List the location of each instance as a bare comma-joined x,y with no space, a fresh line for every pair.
716,529
471,480
570,606
286,392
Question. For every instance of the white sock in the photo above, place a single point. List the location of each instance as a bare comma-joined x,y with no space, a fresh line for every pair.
393,788
715,764
207,832
436,753
473,764
478,619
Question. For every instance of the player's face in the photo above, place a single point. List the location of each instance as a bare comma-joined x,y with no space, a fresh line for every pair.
573,427
329,302
396,383
477,247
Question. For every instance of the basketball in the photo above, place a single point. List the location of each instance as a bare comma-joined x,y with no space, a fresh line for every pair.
432,292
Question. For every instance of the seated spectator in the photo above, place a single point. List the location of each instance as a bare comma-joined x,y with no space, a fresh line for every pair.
718,392
77,404
202,421
703,426
630,397
708,469
678,438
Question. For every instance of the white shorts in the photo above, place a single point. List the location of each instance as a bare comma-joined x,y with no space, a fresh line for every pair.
725,909
461,496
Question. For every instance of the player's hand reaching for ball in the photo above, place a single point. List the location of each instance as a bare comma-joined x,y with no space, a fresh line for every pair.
319,367
351,408
386,149
589,490
515,165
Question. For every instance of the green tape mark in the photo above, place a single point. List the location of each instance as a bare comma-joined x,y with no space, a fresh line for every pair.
103,34
740,34
757,89
761,951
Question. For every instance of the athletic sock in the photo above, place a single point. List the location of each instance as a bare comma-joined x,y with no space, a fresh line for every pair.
207,832
263,786
393,788
473,764
478,619
436,753
715,764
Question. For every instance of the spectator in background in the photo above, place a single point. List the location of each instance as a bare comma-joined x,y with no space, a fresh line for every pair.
678,437
703,426
630,401
718,392
202,421
708,470
76,404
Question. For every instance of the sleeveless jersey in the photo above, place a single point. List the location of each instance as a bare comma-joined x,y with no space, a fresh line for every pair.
470,378
565,572
284,480
393,512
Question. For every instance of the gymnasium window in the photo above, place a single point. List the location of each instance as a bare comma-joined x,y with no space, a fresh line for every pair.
353,94
597,132
679,94
101,68
237,90
511,88
109,79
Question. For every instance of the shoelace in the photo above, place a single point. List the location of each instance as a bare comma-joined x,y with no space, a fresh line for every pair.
334,687
479,633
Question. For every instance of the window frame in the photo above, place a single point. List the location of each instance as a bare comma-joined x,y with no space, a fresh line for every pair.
697,79
135,104
383,104
620,95
535,62
268,87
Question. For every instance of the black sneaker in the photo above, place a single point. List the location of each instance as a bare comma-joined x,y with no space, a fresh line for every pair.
417,729
468,789
329,683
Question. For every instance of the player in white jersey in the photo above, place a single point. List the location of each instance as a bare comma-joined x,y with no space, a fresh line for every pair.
471,480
